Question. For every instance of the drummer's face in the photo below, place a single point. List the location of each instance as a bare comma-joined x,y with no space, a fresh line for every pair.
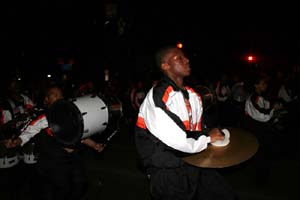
50,98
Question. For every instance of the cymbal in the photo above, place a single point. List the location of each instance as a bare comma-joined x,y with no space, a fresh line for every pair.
242,146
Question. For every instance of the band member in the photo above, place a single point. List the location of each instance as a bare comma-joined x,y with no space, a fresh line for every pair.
259,111
170,126
60,169
15,111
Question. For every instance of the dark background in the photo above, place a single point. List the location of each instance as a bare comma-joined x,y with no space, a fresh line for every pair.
37,36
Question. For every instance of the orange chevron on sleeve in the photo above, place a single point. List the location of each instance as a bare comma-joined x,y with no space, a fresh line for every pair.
186,124
141,123
166,95
37,119
49,132
28,106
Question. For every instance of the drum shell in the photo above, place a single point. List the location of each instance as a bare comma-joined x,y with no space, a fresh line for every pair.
78,118
115,111
94,113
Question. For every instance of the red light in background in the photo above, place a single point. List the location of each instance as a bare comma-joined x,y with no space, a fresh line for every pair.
179,45
250,58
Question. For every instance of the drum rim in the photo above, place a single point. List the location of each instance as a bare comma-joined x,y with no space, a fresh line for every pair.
78,112
105,99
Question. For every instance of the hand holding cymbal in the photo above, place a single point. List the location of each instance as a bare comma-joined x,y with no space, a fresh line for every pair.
225,141
215,135
242,146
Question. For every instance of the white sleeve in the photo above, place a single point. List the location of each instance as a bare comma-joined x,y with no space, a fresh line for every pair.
33,129
255,114
7,116
165,129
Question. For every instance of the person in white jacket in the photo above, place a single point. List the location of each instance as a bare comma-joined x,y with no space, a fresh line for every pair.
170,126
259,111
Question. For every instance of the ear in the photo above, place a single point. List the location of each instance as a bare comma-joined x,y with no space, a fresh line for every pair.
164,66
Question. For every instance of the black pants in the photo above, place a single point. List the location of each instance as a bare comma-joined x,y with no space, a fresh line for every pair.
11,182
268,147
61,179
189,183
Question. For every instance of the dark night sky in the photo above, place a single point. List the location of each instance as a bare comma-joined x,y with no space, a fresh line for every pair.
222,35
35,33
228,28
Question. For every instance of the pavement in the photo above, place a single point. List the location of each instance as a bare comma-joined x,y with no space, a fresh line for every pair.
114,174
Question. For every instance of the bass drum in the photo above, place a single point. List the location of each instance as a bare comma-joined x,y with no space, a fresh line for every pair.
82,117
115,111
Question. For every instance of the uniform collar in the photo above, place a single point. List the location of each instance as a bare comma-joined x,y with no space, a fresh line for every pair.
175,87
172,83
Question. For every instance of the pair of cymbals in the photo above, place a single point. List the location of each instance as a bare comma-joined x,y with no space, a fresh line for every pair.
242,146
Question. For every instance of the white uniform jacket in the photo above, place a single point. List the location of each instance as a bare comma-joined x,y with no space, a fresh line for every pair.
258,108
35,127
170,115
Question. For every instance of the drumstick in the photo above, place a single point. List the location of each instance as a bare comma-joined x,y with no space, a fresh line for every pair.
108,139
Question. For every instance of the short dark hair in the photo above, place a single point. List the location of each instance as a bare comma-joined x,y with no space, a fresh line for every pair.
161,54
261,77
54,85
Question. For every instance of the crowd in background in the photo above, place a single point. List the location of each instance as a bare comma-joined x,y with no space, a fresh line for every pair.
224,95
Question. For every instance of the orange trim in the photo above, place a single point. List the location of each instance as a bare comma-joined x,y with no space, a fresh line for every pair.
37,119
166,94
141,123
186,124
198,127
195,126
49,132
28,106
189,88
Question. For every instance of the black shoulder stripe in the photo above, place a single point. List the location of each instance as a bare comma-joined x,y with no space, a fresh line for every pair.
158,93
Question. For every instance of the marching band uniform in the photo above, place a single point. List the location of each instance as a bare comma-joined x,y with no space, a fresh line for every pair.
170,126
258,115
12,171
61,173
11,110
